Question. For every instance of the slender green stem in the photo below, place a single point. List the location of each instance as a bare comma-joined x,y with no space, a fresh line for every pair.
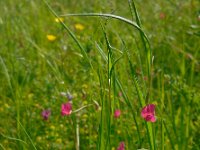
101,145
77,133
28,136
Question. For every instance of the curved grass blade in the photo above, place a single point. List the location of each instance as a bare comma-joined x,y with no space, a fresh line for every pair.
111,16
71,34
11,138
27,135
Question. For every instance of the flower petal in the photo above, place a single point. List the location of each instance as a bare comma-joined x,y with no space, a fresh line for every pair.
144,112
151,108
117,113
121,146
66,109
148,113
150,118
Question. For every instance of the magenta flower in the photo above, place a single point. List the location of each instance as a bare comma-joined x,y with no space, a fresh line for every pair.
66,109
117,113
46,113
148,113
121,146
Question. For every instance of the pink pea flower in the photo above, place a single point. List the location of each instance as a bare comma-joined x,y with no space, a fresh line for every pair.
148,113
120,94
162,15
66,109
46,113
121,146
117,113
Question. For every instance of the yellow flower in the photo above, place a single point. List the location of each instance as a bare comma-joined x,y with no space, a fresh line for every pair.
39,138
118,131
85,86
30,95
59,19
51,37
52,127
134,128
61,125
59,140
6,105
79,26
85,102
85,116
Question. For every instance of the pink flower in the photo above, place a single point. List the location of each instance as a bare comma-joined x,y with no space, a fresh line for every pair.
66,109
45,114
148,113
120,94
121,146
162,15
117,113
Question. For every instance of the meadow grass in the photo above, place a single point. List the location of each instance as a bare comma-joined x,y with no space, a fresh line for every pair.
107,55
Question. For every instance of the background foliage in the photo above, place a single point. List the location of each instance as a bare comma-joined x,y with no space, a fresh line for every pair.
34,70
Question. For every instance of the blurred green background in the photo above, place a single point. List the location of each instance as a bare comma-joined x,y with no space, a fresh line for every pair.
35,69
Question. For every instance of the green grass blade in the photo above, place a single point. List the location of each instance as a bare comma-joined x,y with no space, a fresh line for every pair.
101,52
169,136
71,34
132,110
142,103
28,136
7,76
111,16
15,139
147,48
145,42
108,101
162,136
101,139
2,147
135,81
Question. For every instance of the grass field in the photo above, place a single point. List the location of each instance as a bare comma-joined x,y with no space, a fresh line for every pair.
82,75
